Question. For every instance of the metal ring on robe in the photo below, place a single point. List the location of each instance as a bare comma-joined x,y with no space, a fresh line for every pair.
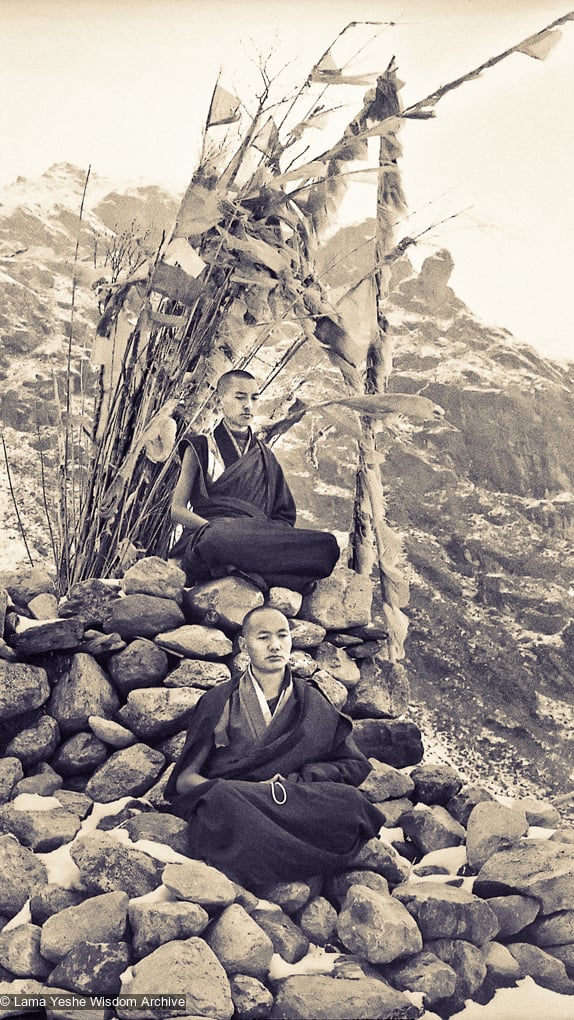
282,790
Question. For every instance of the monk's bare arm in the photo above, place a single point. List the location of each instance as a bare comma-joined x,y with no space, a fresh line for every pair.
180,512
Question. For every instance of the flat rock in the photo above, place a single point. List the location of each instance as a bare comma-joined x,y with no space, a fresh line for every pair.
431,828
334,690
90,601
305,634
110,732
385,782
461,805
75,801
337,663
20,872
318,920
155,712
393,741
92,968
97,919
222,603
80,753
142,616
340,601
20,952
443,911
11,772
36,637
82,691
186,967
198,673
424,973
44,782
239,943
106,866
336,998
154,576
140,664
435,784
383,691
127,773
466,961
492,827
154,924
544,969
42,831
250,996
35,743
377,856
514,912
199,883
377,927
287,938
22,688
193,640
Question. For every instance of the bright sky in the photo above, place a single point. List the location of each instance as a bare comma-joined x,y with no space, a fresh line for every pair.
124,85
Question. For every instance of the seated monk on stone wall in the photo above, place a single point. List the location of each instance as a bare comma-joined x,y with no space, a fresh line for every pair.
236,508
266,779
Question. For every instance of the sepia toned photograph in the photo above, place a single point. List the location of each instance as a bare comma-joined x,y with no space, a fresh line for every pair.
286,510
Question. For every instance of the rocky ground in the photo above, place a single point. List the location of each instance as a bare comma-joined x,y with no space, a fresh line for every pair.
460,895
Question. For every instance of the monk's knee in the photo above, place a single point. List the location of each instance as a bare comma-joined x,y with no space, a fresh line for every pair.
332,551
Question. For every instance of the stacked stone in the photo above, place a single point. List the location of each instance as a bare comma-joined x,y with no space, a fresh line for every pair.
460,893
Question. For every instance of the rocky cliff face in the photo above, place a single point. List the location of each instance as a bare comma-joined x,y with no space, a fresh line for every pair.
486,508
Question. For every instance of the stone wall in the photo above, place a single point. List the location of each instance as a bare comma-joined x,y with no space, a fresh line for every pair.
459,894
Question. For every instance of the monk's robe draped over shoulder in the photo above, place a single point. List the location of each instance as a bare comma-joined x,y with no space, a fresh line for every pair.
260,832
251,515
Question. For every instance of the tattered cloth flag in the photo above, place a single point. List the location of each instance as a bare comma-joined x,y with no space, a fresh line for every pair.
540,45
267,140
224,107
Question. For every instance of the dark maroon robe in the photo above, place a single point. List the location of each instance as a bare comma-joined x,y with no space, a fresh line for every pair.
238,821
251,515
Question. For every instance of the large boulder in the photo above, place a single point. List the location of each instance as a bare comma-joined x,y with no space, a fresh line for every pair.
82,691
466,961
155,712
42,830
431,828
435,784
424,973
106,866
20,871
382,692
443,911
11,772
128,772
80,753
287,938
154,576
198,673
340,601
396,742
194,640
90,601
37,637
385,782
142,616
514,912
535,867
492,827
97,919
377,927
22,688
140,664
20,952
154,924
544,969
337,998
199,883
240,943
190,971
35,743
337,663
222,603
92,968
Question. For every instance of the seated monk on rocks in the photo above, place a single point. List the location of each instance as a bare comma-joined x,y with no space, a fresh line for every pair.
236,508
267,776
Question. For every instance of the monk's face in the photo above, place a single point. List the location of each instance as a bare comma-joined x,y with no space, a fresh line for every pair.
237,403
267,640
